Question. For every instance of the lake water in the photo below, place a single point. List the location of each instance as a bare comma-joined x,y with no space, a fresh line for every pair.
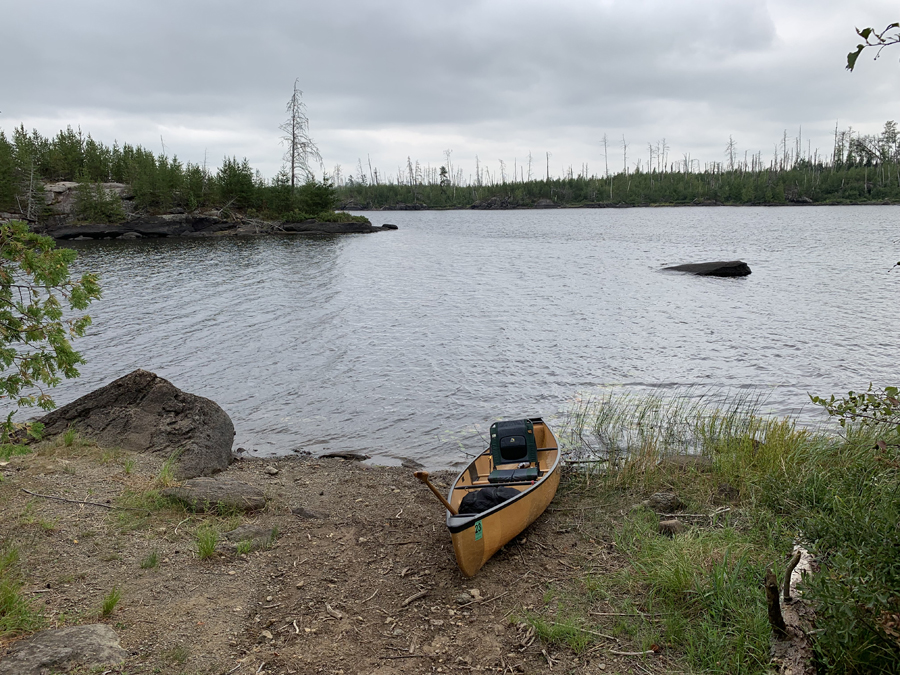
408,344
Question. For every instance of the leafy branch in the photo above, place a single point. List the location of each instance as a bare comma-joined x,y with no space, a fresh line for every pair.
877,406
39,302
874,39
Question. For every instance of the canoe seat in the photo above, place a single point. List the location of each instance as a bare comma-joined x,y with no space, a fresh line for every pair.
518,475
513,441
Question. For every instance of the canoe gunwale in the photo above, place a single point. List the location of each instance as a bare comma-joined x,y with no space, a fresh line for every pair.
454,524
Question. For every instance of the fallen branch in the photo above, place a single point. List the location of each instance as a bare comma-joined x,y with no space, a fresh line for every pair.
786,594
645,653
413,598
775,617
85,503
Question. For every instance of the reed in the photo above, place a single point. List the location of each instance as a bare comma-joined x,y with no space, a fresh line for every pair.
838,494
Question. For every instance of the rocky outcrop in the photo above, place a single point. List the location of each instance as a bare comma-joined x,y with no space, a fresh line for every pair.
61,220
494,203
315,227
400,206
142,412
168,225
732,268
64,649
224,495
546,204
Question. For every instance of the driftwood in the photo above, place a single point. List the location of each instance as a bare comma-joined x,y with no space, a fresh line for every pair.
774,606
787,575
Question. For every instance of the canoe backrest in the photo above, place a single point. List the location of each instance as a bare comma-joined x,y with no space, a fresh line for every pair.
513,442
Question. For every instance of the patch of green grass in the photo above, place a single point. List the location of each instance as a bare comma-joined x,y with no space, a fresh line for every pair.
110,601
244,547
206,539
141,507
150,561
177,654
68,437
128,465
166,475
8,450
16,613
840,492
565,632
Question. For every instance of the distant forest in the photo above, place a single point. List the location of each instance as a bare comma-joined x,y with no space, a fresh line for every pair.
859,169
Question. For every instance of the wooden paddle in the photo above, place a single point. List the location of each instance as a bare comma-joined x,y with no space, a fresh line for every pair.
423,476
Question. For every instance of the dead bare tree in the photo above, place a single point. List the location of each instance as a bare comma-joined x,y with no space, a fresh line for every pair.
301,148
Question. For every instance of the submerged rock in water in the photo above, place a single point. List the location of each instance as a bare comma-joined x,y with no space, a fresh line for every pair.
731,268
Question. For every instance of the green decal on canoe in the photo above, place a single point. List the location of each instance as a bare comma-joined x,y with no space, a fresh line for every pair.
478,530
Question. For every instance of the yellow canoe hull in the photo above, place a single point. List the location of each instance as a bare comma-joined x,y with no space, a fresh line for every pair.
476,537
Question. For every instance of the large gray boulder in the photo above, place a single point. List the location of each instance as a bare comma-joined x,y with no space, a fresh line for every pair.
731,268
142,412
63,649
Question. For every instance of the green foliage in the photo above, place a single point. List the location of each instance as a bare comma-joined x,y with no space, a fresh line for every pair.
96,204
150,561
839,495
16,614
880,407
889,36
235,183
316,196
207,538
35,288
110,601
324,217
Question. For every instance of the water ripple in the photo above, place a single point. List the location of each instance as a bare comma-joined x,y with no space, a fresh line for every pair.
409,343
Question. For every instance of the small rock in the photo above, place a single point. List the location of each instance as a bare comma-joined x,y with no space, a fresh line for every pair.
463,598
62,649
303,513
727,492
272,471
664,502
671,527
267,635
351,456
208,494
257,537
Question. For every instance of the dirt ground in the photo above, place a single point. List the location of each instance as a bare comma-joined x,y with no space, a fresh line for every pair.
361,579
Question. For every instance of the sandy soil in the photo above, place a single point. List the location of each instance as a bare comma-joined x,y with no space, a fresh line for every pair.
362,577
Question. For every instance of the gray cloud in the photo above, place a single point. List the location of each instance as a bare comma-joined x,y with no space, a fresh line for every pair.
411,78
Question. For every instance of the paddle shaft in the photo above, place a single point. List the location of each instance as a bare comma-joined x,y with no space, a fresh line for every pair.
423,476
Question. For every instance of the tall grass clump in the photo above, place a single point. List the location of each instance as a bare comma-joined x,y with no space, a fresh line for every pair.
836,494
16,614
110,601
206,538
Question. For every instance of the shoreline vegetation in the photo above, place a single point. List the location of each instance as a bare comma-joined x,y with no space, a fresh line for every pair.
119,183
608,588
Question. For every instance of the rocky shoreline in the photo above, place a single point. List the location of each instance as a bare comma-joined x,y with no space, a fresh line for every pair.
60,222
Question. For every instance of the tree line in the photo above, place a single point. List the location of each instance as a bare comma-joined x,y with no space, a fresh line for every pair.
157,182
860,168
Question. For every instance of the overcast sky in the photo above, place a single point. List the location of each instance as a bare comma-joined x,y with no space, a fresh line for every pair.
413,78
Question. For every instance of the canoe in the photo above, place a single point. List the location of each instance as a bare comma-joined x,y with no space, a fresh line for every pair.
478,536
